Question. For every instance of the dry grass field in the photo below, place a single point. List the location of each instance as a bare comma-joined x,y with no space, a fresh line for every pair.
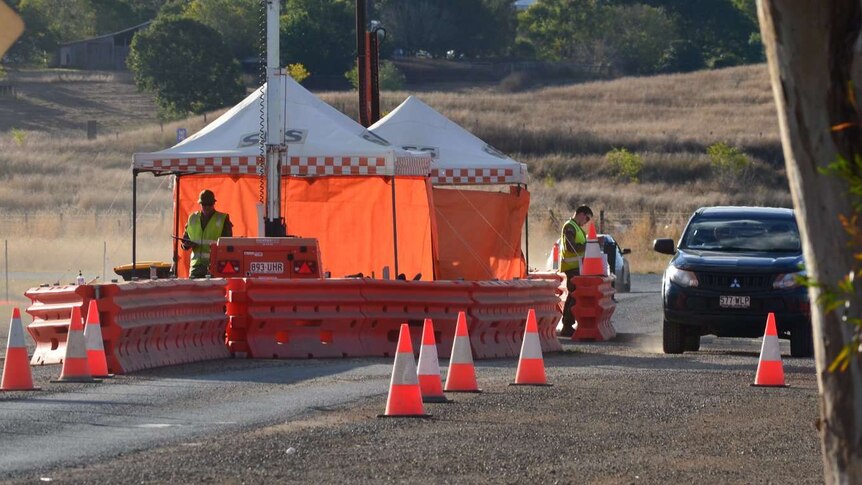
64,199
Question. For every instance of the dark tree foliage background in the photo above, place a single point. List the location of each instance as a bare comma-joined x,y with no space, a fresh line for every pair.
636,37
186,65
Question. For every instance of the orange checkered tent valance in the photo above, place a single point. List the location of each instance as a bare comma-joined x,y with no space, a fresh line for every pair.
320,140
458,157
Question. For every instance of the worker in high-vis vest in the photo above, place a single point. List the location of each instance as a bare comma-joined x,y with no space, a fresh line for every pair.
574,241
204,228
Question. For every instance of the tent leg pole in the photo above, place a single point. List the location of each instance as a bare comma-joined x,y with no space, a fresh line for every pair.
134,219
176,242
394,228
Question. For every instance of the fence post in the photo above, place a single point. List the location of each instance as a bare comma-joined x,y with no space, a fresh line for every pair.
602,221
104,261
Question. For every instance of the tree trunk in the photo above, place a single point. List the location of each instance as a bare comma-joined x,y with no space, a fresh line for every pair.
813,50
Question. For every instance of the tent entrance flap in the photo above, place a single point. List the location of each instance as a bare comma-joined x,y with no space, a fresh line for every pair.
479,233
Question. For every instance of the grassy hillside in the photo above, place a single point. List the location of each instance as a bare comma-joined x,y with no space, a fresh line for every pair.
50,170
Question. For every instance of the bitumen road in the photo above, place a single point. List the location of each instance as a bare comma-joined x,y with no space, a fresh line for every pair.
619,412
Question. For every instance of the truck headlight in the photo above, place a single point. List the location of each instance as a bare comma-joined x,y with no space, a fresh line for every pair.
787,281
681,277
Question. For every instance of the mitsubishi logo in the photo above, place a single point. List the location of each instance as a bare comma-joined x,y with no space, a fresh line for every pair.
735,283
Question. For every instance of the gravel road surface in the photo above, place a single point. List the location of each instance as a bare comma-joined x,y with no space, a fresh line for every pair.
618,412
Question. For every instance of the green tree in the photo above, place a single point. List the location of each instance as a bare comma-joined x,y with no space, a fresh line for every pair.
723,30
238,21
186,65
563,30
319,34
637,37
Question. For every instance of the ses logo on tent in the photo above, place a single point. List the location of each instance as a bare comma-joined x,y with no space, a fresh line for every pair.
290,137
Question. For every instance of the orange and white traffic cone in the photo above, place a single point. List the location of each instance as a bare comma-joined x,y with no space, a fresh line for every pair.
16,368
531,365
592,262
405,397
770,371
95,347
462,374
76,368
429,367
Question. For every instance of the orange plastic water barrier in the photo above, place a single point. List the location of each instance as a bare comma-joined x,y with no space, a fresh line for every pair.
362,317
300,318
51,309
594,306
499,314
155,323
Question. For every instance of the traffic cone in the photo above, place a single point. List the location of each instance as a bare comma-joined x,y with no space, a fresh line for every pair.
770,371
429,367
75,365
462,374
531,366
16,367
405,397
592,263
95,347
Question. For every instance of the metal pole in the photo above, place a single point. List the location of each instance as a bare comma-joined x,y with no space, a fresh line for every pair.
360,63
6,264
104,261
176,242
134,219
394,228
275,123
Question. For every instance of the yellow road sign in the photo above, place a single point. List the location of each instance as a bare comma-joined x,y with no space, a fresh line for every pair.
11,27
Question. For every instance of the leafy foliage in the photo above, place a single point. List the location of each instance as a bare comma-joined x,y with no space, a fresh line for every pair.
389,77
298,72
441,26
627,165
319,34
729,163
186,65
238,21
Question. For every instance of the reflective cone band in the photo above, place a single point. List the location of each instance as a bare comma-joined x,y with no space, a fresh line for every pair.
531,365
95,347
405,397
592,263
16,367
75,365
770,371
462,374
429,367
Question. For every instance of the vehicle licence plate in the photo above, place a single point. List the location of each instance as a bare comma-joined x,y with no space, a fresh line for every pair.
734,301
266,267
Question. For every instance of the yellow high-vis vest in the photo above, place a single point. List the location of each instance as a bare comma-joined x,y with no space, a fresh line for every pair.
570,260
203,237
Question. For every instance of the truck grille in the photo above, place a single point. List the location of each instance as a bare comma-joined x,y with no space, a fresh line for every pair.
730,282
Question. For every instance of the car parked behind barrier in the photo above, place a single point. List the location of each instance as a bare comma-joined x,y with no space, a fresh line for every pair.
734,265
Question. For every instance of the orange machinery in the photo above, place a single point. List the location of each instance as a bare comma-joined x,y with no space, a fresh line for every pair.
265,257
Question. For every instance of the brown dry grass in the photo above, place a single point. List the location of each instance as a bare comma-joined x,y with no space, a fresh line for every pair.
562,133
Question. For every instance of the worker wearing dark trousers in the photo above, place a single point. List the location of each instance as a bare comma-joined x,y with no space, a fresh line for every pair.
204,228
574,242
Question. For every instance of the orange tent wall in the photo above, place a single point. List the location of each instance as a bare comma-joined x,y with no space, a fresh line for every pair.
235,195
479,233
352,219
350,216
